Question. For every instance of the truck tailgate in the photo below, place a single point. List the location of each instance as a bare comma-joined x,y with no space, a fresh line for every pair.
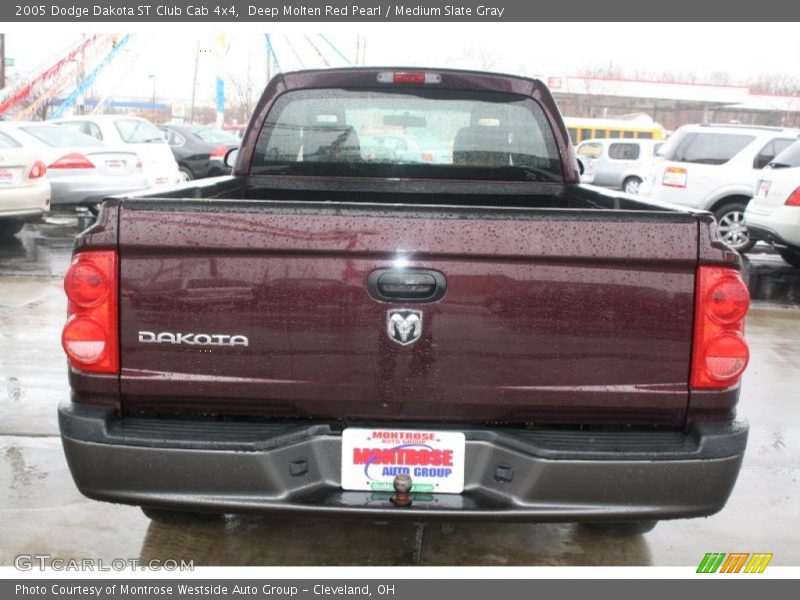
549,316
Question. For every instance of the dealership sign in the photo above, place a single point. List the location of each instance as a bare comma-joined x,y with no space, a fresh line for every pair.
372,458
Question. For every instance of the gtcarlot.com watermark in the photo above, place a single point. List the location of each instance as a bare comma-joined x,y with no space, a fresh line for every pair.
30,562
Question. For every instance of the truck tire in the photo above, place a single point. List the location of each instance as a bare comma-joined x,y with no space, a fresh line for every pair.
621,528
731,229
166,515
10,228
791,256
631,185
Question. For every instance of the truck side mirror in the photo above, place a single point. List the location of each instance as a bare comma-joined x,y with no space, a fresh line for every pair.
230,157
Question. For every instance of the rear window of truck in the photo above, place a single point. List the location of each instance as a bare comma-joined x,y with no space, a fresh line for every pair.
421,133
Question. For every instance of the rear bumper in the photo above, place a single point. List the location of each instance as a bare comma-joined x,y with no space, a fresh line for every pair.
510,474
779,227
30,201
81,190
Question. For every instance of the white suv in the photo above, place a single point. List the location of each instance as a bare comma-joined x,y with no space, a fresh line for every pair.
774,213
713,167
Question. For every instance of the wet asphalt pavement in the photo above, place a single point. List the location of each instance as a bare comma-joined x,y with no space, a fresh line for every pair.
41,512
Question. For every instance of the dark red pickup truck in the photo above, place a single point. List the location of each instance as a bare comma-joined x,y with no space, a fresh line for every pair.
404,277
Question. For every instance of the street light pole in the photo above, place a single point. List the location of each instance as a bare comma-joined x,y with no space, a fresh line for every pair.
153,102
194,82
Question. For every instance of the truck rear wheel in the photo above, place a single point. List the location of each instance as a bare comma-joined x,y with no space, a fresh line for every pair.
621,528
167,515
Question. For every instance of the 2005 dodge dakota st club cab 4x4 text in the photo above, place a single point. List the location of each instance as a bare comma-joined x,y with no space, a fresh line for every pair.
403,278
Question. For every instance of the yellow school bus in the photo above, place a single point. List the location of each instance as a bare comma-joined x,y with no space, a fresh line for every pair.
590,129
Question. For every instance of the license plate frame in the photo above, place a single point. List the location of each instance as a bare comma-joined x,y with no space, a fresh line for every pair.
372,457
763,188
116,165
10,175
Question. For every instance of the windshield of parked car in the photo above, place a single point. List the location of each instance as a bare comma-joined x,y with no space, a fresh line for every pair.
60,137
216,136
408,133
7,142
704,147
788,158
136,131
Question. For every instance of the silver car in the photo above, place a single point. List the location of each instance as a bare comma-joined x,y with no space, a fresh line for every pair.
619,163
81,169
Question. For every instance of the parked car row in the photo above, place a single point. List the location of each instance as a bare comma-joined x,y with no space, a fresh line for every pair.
80,160
714,167
745,175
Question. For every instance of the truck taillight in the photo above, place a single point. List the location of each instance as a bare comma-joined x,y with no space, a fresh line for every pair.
674,177
720,353
90,336
794,199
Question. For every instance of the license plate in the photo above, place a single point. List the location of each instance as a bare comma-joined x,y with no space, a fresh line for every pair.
10,176
372,458
115,165
763,188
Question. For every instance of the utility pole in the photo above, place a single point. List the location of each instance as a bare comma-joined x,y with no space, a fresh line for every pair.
194,82
81,76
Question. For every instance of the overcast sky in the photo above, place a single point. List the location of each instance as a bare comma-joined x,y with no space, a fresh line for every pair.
744,50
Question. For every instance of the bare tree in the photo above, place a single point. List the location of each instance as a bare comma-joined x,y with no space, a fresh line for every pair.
245,91
596,83
776,83
475,57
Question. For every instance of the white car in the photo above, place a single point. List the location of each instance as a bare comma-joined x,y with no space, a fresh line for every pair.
24,189
137,134
621,164
773,214
712,167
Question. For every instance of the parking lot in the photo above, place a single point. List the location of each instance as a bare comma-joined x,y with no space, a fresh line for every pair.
42,512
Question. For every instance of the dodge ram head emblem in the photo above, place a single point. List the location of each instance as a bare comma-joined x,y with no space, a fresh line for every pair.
404,326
